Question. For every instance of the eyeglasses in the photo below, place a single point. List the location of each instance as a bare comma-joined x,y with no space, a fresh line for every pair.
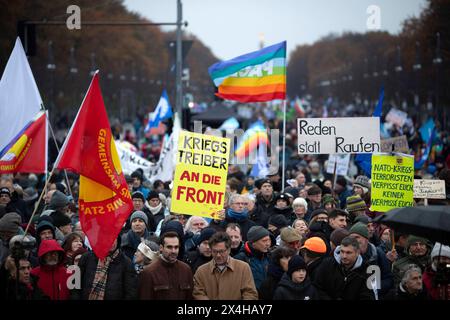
221,252
240,203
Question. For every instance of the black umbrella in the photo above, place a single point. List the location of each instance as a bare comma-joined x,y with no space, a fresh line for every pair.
431,222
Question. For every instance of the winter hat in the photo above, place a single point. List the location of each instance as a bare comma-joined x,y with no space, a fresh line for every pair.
10,222
257,232
328,198
315,244
174,226
58,201
296,263
341,181
5,190
149,249
138,195
27,241
317,212
45,225
338,235
363,219
413,239
289,235
355,203
152,195
300,202
30,194
60,220
139,215
205,234
260,182
439,250
361,229
282,196
279,221
362,182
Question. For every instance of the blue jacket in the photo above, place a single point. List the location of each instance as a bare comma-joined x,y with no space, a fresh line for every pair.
258,261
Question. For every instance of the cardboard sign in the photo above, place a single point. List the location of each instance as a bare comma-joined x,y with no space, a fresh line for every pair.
429,189
400,144
392,182
200,175
341,161
338,135
397,117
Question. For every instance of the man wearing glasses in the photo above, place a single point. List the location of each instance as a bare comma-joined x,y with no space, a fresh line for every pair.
223,278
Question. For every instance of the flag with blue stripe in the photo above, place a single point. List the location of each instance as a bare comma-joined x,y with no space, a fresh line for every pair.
163,111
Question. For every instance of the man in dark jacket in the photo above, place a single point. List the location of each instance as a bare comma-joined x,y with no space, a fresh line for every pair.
112,278
411,287
237,213
138,233
265,201
234,232
255,253
202,254
313,251
167,278
343,276
373,256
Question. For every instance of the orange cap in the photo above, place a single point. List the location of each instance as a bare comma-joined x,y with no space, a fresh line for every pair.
315,244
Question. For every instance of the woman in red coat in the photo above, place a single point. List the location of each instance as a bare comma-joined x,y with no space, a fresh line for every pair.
51,272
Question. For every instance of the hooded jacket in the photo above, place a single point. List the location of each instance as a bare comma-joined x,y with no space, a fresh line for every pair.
52,279
334,282
376,256
289,290
257,260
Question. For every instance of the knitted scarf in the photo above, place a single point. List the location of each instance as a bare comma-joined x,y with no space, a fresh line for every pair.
155,210
238,216
101,276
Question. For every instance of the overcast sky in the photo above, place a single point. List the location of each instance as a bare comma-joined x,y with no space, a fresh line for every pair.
233,27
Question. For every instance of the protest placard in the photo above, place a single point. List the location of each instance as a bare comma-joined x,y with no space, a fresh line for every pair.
131,161
429,189
392,182
200,175
338,135
400,144
397,117
341,161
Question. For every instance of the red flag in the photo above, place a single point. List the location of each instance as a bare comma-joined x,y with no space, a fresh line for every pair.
27,152
104,200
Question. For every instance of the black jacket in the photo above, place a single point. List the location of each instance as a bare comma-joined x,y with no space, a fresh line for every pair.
120,285
195,259
289,290
312,268
401,294
267,289
335,283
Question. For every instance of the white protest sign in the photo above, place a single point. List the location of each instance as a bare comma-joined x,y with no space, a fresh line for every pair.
342,161
429,189
397,117
338,135
131,161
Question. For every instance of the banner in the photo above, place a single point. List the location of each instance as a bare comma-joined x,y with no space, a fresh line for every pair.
342,162
429,189
400,145
89,150
392,182
200,175
338,135
131,161
28,151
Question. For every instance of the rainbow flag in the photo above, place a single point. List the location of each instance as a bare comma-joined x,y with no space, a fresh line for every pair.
253,77
254,136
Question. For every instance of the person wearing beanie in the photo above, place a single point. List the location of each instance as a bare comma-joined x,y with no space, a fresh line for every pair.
138,233
361,186
283,207
202,254
355,207
59,202
373,256
329,203
295,283
314,200
255,253
9,227
156,207
418,252
265,202
63,223
45,230
137,183
139,205
319,215
435,277
147,252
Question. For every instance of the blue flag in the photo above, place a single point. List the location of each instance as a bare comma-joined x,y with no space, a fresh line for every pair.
163,111
419,164
364,160
426,130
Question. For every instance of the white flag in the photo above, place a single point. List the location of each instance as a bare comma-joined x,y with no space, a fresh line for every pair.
20,100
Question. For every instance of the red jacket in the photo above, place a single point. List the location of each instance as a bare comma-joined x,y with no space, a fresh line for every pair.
439,292
52,279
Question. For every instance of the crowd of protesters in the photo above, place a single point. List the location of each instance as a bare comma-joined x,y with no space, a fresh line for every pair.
311,239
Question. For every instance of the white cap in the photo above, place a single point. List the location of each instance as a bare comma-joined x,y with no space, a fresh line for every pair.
146,251
439,250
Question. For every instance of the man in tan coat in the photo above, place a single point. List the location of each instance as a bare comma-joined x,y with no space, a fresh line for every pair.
223,278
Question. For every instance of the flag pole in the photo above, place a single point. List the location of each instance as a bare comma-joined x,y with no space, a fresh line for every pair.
284,146
39,201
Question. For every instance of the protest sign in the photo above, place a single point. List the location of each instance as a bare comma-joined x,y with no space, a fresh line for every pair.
392,182
429,189
338,135
131,161
397,117
341,162
200,175
400,144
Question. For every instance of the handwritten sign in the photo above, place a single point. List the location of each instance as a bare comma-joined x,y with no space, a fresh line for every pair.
338,135
429,189
341,161
400,144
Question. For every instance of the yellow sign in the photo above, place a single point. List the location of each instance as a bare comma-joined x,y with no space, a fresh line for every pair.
392,182
200,175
